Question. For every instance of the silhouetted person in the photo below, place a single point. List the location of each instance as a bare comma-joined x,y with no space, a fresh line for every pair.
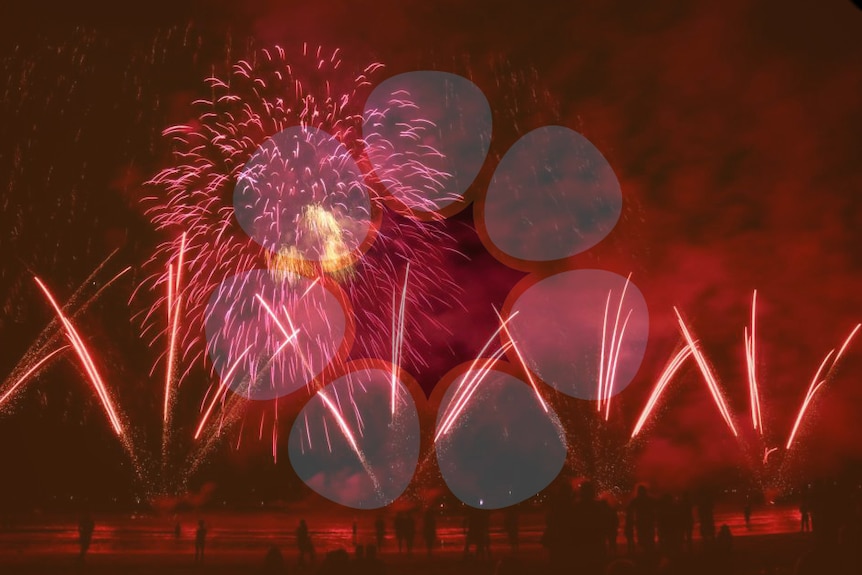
641,516
409,532
178,530
478,533
273,562
621,567
589,537
747,513
828,514
354,533
399,530
706,517
380,530
429,529
509,566
483,535
670,526
685,510
723,559
335,562
724,541
610,526
372,564
510,526
559,528
86,526
200,541
303,542
805,512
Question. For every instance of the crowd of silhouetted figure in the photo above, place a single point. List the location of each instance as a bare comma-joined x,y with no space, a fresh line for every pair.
664,534
581,534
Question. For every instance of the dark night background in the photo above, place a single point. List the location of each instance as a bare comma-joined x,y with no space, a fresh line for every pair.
735,130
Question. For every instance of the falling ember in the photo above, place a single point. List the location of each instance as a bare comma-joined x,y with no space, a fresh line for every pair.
707,374
87,361
818,383
669,371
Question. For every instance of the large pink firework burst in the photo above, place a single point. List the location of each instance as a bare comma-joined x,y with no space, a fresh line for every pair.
191,201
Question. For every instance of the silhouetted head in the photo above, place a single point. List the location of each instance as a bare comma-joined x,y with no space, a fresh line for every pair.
588,491
509,566
642,491
200,522
621,567
371,551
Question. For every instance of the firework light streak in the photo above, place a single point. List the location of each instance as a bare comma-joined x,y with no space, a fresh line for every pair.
466,391
50,333
522,361
751,364
467,387
613,367
817,384
398,337
220,393
669,371
345,429
174,303
29,373
608,363
707,375
289,338
87,361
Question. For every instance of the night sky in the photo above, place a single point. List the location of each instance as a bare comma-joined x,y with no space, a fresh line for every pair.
735,132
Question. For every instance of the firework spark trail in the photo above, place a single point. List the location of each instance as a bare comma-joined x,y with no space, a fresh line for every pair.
669,371
522,361
398,337
707,374
608,363
600,392
613,367
87,361
51,332
29,373
466,391
289,338
220,392
174,303
454,410
345,429
751,363
817,383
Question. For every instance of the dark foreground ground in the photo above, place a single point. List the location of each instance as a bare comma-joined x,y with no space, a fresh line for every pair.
238,542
